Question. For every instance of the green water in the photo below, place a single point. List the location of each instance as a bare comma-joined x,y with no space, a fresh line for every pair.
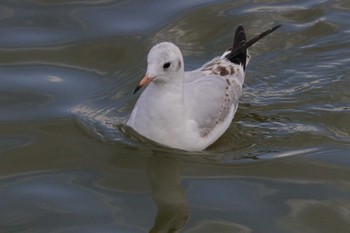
69,165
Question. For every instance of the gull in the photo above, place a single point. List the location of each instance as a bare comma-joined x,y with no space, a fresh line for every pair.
190,110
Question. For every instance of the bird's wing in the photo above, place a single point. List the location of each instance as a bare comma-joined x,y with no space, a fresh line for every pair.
212,93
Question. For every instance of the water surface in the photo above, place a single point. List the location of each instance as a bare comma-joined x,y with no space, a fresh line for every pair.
68,164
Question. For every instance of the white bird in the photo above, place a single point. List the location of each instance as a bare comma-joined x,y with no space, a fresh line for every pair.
190,110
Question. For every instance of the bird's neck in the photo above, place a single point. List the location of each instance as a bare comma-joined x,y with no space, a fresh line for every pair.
170,97
171,89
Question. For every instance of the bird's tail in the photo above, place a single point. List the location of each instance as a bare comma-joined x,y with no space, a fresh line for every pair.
238,54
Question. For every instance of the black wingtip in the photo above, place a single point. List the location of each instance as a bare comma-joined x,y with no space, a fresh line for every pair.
262,35
238,53
276,27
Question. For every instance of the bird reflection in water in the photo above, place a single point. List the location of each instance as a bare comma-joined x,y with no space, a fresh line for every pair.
168,193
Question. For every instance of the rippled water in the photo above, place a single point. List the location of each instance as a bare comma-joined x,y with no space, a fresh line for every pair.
68,163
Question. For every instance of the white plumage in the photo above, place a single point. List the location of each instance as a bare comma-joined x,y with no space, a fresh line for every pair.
190,110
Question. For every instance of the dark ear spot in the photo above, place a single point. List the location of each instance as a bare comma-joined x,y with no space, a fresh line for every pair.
179,64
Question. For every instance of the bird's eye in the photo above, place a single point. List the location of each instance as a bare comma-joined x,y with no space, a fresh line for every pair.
166,65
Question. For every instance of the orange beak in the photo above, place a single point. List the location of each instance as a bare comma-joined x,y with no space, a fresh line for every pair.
145,81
